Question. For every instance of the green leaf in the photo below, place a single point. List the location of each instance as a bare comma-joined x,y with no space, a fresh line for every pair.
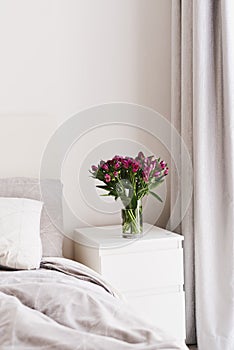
142,194
156,196
155,184
113,193
133,202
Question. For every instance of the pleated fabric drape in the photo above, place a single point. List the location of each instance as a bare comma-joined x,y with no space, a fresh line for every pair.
203,113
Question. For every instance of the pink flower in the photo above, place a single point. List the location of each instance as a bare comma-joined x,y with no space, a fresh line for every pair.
147,169
105,167
118,158
147,161
135,167
151,167
94,168
125,163
157,174
146,174
141,155
116,173
166,171
163,164
130,161
117,166
107,178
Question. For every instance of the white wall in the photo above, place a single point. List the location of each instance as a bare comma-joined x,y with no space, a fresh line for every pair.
60,56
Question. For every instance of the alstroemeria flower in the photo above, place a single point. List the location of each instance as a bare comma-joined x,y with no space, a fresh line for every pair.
141,155
145,178
107,178
151,167
166,171
157,173
94,168
146,173
116,173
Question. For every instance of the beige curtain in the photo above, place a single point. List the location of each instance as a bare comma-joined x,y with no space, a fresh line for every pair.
203,113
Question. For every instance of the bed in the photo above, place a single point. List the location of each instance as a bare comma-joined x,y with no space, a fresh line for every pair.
60,304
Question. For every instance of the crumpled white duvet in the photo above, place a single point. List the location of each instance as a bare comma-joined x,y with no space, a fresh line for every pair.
66,306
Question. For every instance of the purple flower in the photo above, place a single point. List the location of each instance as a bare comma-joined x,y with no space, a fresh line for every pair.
157,174
135,167
94,168
105,167
151,167
118,158
117,165
147,169
141,155
147,161
166,171
116,173
125,163
130,161
163,164
145,177
146,174
107,178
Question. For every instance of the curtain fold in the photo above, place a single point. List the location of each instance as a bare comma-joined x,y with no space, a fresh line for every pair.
203,113
182,120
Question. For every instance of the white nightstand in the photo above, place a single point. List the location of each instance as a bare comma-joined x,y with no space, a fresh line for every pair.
148,271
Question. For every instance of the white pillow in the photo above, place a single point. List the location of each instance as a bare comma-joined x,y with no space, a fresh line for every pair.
20,242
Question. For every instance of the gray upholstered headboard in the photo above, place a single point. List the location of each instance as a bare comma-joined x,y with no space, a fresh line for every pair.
22,187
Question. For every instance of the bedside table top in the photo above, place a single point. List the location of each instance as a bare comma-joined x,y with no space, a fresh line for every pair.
110,237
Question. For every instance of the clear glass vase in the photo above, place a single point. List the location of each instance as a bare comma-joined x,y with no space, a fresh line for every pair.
132,224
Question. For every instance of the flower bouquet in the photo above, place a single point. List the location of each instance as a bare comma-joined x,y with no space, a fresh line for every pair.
130,179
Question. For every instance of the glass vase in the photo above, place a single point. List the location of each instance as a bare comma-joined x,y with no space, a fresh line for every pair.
132,224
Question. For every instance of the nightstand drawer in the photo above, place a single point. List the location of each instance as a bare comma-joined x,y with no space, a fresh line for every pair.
165,311
148,270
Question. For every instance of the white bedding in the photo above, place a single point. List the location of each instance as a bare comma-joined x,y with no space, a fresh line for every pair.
66,306
20,242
